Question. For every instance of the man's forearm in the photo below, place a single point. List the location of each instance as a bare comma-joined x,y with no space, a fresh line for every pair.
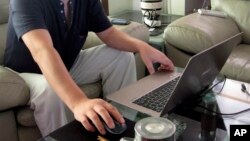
58,77
41,47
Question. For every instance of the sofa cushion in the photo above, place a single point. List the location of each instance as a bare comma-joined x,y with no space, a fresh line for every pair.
25,116
8,127
14,91
134,29
238,10
93,90
194,33
3,36
4,6
238,64
28,134
4,10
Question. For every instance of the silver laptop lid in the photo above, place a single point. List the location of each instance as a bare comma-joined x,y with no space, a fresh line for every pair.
200,72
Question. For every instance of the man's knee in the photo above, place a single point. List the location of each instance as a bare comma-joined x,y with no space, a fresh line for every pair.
127,58
40,90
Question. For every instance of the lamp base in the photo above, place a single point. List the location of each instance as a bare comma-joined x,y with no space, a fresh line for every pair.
152,23
155,31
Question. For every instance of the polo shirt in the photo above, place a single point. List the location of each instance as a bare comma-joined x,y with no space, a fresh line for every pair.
27,15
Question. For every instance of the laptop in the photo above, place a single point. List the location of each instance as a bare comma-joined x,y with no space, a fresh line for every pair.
161,92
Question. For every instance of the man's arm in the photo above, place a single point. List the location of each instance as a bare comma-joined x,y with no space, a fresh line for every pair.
41,47
122,41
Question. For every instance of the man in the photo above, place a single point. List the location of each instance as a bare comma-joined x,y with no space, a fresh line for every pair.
43,45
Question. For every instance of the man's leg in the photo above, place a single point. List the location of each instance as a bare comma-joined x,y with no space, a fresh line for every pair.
114,68
49,110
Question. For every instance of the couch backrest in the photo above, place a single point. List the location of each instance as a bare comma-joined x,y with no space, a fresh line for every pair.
239,10
4,10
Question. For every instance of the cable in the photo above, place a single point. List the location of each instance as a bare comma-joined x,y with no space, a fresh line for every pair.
219,113
223,79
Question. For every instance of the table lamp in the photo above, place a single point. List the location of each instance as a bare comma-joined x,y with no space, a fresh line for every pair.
151,11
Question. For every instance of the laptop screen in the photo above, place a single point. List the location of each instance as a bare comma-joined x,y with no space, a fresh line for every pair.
200,72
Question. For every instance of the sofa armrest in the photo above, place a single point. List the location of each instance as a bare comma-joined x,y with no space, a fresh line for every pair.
13,90
195,32
134,29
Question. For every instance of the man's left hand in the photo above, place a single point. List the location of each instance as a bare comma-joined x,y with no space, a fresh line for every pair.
151,55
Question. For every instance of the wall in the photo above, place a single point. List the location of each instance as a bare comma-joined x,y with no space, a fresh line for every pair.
136,5
118,6
184,7
175,7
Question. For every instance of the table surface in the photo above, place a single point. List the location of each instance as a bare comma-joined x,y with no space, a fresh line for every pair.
136,16
133,15
190,130
192,122
157,40
74,131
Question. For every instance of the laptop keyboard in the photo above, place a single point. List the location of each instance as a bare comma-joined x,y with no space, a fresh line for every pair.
157,99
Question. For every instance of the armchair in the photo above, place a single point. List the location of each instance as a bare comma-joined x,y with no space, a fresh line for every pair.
16,118
194,33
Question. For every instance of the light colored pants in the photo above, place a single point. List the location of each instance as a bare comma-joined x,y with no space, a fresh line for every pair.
115,68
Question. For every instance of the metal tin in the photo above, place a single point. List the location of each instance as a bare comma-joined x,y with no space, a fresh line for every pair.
154,129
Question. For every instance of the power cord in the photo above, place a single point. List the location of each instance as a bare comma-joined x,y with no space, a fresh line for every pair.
219,80
243,89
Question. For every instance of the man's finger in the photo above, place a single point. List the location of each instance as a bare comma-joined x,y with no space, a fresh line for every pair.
103,113
150,68
86,124
167,64
163,67
114,113
96,121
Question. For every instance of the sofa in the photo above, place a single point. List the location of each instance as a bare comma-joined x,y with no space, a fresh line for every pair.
193,33
16,118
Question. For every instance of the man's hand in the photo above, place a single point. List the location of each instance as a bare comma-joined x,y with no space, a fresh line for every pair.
122,41
89,112
151,55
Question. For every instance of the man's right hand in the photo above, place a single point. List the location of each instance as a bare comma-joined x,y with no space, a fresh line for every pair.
89,112
85,110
